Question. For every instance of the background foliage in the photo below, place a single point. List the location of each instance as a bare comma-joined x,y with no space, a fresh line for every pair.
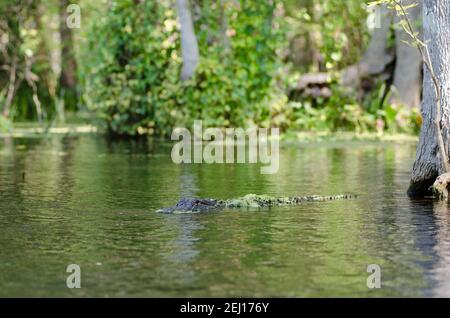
129,59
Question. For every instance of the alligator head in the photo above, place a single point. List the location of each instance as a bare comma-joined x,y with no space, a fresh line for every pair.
193,205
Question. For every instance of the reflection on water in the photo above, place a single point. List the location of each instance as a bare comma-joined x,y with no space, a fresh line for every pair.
91,202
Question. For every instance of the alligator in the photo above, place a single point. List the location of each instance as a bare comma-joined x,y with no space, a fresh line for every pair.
250,201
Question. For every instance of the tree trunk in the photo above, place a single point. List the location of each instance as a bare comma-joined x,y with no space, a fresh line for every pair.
407,75
67,83
377,56
12,87
226,45
428,165
189,45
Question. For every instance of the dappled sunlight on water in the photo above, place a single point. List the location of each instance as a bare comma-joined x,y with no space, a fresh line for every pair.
91,202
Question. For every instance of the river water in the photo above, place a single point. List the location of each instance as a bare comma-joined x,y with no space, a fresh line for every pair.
87,201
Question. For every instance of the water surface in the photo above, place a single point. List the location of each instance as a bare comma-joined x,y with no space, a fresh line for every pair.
87,201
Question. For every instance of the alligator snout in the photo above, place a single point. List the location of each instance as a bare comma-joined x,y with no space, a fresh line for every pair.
192,205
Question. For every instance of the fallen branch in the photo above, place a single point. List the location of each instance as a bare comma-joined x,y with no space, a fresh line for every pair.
440,186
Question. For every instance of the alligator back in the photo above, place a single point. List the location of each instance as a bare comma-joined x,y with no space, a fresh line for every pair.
263,201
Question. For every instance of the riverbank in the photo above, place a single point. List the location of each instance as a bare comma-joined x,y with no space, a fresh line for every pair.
36,130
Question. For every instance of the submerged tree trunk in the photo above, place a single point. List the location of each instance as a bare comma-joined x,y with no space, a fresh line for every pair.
428,164
67,84
189,45
407,75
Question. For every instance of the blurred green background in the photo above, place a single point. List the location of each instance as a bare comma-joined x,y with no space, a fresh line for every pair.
120,70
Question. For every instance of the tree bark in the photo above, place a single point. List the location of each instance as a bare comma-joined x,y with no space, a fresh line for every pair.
427,166
407,75
189,45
